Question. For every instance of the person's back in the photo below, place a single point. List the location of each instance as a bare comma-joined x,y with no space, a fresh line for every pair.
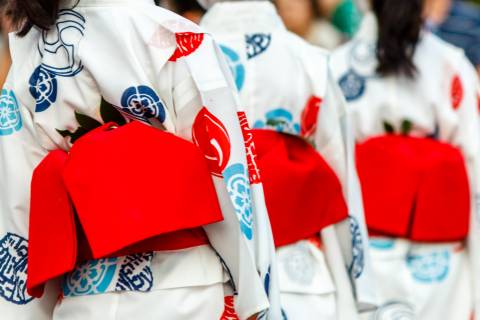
290,99
413,101
130,62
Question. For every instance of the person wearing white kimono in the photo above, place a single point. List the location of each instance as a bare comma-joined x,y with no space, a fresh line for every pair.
292,101
413,100
77,65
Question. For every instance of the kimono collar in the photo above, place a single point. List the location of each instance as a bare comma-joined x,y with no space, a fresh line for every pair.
243,16
99,3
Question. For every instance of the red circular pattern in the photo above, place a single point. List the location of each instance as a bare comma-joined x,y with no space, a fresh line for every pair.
211,136
253,171
309,116
456,92
187,43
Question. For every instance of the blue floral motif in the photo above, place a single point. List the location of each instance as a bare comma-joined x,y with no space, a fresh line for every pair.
10,117
13,269
382,244
142,103
358,259
428,268
235,65
58,49
43,88
353,85
238,186
280,120
257,44
135,273
91,277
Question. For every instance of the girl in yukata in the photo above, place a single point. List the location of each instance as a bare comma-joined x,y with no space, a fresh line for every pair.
304,161
123,171
413,101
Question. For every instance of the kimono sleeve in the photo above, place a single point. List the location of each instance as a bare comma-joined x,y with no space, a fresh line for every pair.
335,140
464,92
206,108
19,154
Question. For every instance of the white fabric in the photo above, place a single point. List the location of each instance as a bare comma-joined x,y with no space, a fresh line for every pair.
425,101
102,48
306,285
431,281
199,303
276,73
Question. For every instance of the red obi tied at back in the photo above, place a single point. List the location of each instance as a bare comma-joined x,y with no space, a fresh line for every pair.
119,191
302,193
414,188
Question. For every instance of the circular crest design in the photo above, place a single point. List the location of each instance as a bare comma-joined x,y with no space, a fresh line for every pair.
280,120
235,65
431,267
300,264
10,117
238,187
353,85
143,103
89,278
13,269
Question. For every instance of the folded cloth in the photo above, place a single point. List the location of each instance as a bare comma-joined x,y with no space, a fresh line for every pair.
415,188
302,193
132,189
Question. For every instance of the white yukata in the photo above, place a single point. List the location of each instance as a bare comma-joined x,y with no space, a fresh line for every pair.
276,74
131,53
416,280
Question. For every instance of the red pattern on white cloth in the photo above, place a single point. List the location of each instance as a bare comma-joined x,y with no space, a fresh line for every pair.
229,312
309,117
187,43
456,91
211,136
253,171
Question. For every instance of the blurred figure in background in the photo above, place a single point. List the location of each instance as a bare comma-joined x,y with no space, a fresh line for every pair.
189,9
303,18
457,22
299,138
5,59
413,103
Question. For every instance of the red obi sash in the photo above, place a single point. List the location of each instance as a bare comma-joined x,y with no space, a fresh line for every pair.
119,191
302,193
415,188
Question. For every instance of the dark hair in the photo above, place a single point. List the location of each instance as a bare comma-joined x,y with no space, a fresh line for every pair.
399,26
24,14
182,6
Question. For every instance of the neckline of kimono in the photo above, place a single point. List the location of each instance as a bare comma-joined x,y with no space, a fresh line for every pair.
243,16
99,3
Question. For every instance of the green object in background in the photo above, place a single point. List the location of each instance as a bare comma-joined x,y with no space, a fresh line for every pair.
346,17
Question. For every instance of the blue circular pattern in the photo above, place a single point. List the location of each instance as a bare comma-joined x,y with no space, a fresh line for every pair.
382,244
142,103
257,44
10,117
358,258
353,85
135,273
235,65
429,268
280,120
91,277
43,88
395,311
238,187
13,269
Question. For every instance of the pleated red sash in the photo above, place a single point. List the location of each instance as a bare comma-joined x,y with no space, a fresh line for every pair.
415,188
